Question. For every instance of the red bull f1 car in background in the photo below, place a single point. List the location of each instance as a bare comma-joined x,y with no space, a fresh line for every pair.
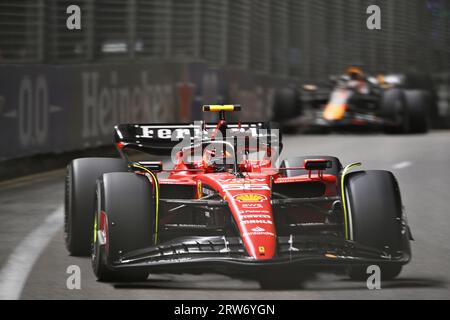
227,207
392,103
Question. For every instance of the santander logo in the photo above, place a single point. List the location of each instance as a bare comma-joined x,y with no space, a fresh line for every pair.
258,229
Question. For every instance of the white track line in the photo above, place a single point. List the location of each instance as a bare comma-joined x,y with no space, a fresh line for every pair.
402,165
19,265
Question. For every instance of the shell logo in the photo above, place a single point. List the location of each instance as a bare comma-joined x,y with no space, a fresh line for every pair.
250,197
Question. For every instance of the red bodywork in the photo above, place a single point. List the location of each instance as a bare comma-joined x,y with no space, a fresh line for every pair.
249,197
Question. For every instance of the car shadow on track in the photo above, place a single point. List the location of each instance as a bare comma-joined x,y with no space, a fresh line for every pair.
233,284
402,283
186,282
210,282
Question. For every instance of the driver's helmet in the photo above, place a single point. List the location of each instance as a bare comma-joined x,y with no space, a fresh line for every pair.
217,157
354,73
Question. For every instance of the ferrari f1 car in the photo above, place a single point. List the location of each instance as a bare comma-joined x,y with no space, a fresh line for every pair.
226,207
393,103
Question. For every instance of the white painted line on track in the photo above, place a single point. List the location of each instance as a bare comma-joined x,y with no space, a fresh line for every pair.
402,165
20,263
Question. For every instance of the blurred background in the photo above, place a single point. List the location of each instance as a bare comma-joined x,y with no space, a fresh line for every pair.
285,38
62,91
159,60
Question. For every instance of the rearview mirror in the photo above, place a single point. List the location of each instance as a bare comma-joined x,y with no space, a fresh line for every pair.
317,164
154,166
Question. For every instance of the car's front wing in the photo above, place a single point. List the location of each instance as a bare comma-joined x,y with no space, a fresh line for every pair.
206,254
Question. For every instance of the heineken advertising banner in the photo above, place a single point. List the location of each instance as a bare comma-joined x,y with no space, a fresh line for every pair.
52,109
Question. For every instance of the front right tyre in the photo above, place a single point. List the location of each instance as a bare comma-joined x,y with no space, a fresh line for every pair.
124,221
81,176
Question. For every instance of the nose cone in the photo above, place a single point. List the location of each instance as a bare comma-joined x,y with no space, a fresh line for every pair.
260,243
253,213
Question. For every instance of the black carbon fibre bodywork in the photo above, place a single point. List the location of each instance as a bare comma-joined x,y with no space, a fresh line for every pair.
227,254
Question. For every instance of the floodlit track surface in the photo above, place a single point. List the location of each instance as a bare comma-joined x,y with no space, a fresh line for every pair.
33,258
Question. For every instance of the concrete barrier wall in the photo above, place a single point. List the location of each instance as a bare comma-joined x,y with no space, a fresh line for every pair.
53,109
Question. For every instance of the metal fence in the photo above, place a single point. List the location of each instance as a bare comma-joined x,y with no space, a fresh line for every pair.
288,38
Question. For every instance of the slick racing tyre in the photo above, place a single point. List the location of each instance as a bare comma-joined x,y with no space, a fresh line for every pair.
81,176
419,111
285,104
374,210
395,110
335,169
124,220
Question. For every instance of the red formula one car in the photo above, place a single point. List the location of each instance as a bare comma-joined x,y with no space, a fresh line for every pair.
225,206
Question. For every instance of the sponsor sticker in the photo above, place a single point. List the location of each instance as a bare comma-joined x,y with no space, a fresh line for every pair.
240,181
246,212
257,221
245,187
261,233
258,229
261,250
207,191
256,216
252,205
250,197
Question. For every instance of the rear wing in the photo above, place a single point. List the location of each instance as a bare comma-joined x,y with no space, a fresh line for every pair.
162,138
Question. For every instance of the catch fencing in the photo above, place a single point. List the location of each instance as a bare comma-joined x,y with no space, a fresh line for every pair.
159,60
